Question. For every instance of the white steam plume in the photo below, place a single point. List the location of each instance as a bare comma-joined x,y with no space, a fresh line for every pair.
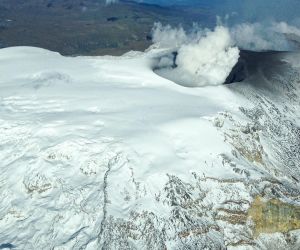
207,57
204,57
166,36
262,37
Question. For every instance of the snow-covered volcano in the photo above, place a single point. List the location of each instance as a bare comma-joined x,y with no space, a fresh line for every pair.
102,153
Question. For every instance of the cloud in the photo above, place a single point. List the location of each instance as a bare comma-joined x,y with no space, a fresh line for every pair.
204,57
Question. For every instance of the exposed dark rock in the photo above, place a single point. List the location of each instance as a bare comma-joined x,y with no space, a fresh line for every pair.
112,19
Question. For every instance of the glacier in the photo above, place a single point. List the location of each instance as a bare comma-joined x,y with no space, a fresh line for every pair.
103,153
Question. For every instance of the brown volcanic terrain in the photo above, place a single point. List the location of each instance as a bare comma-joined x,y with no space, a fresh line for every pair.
88,27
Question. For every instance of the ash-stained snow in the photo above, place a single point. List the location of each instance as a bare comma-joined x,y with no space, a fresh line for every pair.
102,153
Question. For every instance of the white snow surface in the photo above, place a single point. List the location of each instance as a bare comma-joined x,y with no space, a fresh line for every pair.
85,141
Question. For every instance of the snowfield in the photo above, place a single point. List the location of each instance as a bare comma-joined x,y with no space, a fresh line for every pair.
103,153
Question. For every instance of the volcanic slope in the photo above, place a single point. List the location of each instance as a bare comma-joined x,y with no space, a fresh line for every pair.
100,152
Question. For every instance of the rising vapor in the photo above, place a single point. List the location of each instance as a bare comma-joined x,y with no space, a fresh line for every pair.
203,58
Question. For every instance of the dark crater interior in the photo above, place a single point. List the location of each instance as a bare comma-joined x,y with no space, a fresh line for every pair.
251,64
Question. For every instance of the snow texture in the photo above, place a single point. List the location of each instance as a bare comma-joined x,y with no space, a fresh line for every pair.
102,153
